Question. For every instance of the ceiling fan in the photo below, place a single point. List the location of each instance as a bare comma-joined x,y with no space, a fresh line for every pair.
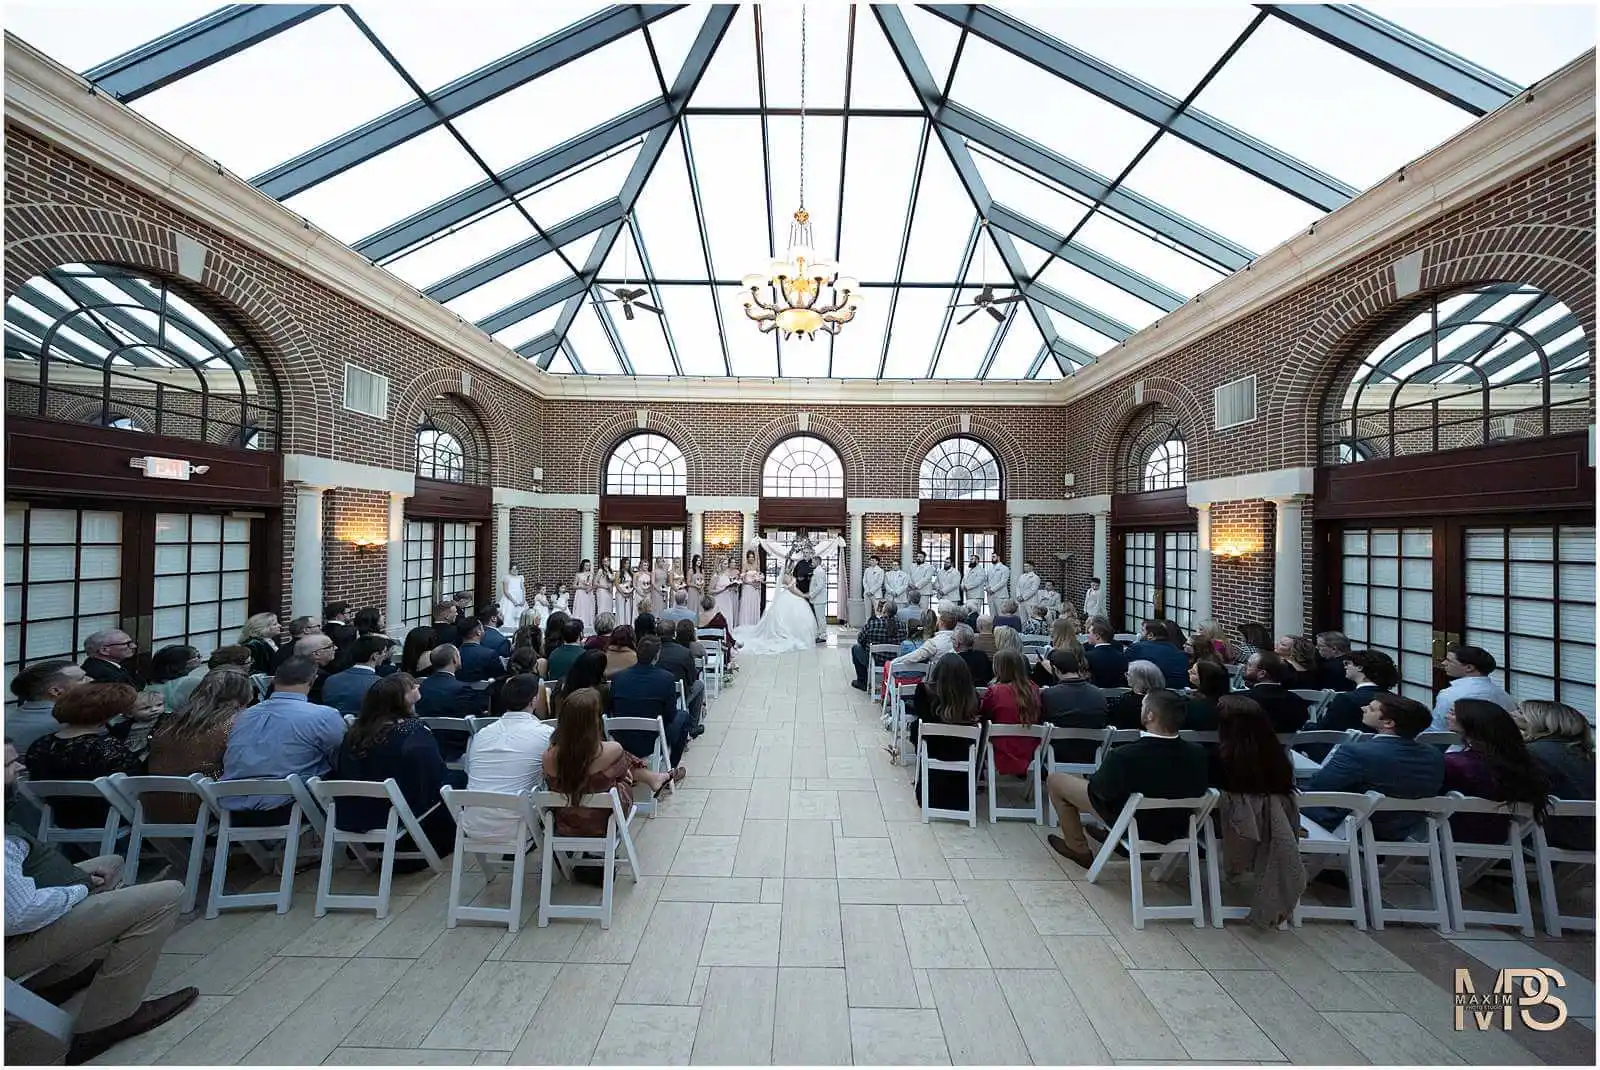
628,297
985,299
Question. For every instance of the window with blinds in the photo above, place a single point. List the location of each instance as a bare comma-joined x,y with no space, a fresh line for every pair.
202,580
1178,580
1388,600
1138,578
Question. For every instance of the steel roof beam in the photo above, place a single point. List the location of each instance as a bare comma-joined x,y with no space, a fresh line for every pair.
1207,244
458,97
18,326
609,325
87,299
1542,337
655,295
1102,267
532,305
1402,53
705,241
1474,308
174,317
526,252
524,176
1251,155
195,46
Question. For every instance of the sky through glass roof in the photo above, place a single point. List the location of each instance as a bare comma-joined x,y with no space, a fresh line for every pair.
534,158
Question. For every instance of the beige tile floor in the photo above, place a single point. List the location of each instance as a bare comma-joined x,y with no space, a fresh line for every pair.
794,909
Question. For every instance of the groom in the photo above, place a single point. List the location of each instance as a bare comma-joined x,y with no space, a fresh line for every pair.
813,584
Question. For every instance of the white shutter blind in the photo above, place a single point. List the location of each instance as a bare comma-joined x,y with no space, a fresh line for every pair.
366,392
1234,403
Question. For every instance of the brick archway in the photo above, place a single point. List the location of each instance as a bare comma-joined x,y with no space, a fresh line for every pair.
1115,420
613,430
1013,458
490,423
825,428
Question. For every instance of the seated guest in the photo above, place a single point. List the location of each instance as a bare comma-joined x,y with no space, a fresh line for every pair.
299,628
443,692
507,756
970,614
478,662
194,739
621,650
83,748
580,761
984,640
1469,669
679,610
260,634
1267,676
1175,634
174,671
530,634
604,625
416,656
1012,699
554,627
494,637
445,616
711,617
320,649
1209,683
388,741
924,628
52,933
1300,655
979,664
1333,655
1561,741
1158,765
524,661
1008,617
1248,759
1369,672
677,658
231,656
1256,637
1108,663
1063,636
345,690
1208,637
369,621
562,657
1391,762
1038,622
279,736
940,642
1007,638
645,689
1128,710
1493,763
1072,702
946,695
910,615
336,624
883,627
1258,814
108,657
1156,646
37,688
589,671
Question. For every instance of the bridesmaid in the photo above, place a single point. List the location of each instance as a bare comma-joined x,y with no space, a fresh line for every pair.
675,583
750,586
725,589
583,605
695,582
625,600
660,594
605,591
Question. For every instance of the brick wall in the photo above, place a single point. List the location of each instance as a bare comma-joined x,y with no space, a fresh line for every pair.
348,575
1241,584
721,525
883,528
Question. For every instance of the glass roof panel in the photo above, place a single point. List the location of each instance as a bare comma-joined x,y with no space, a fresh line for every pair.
694,327
1018,348
1048,371
520,282
727,153
876,80
530,328
251,115
1524,44
822,181
643,341
1215,194
561,104
879,165
749,351
589,342
942,225
857,349
1037,104
918,316
489,234
1085,338
1108,234
479,33
673,36
560,365
580,189
826,29
730,77
936,39
389,187
804,359
1011,186
1102,296
1335,111
665,216
82,35
1172,50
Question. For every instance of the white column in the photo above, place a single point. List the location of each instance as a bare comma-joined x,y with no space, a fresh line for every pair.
305,590
858,553
1202,564
502,545
586,540
1288,600
697,538
749,535
1102,549
396,587
1014,554
908,534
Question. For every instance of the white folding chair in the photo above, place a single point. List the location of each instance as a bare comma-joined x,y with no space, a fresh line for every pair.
969,765
1036,767
1316,700
302,807
32,1008
558,851
518,840
1433,813
453,725
1125,637
134,789
478,724
1545,857
1305,767
1125,830
887,651
101,839
1042,641
1194,735
1479,857
349,719
896,696
1342,845
328,793
660,757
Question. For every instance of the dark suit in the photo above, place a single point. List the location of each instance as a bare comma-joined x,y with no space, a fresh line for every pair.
344,691
979,664
1286,710
1331,677
443,695
649,691
679,661
341,634
479,663
1108,665
1173,662
446,633
1156,767
1393,765
497,641
1074,704
1344,712
102,671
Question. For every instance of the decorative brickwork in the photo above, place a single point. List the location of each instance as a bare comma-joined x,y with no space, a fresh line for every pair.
360,578
882,528
1242,536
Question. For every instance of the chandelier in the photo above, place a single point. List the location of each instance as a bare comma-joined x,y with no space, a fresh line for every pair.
795,302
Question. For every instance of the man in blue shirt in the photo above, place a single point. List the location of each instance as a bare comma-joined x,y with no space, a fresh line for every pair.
344,691
679,610
493,638
478,662
1155,647
284,734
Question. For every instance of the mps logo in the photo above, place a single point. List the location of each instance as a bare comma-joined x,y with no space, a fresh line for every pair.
1525,990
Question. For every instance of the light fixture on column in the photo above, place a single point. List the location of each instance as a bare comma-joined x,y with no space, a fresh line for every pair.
796,305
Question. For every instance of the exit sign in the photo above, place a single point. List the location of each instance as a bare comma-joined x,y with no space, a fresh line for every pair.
166,467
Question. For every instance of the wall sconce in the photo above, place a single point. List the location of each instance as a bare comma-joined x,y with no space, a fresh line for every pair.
884,544
1230,551
365,544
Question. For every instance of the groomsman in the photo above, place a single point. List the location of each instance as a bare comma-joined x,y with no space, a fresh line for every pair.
948,583
1093,600
872,582
974,585
923,576
997,582
895,585
1027,591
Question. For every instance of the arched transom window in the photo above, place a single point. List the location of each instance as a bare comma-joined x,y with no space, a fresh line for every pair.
1156,455
803,467
961,468
646,464
440,455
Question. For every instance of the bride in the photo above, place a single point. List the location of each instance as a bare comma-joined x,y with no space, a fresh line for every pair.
788,624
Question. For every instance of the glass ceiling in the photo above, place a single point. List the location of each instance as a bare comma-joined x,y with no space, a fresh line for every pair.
1107,163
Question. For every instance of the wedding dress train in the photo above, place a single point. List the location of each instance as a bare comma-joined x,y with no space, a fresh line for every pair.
789,624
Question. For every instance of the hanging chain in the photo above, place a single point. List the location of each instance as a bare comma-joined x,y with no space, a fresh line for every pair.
802,105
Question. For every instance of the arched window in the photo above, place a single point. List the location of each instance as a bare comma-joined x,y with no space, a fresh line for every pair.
124,423
1163,465
960,468
1155,454
646,464
439,455
803,467
1465,369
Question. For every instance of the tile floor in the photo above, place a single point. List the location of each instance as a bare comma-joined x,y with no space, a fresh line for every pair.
794,909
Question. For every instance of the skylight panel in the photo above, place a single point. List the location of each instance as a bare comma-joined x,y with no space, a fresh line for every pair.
580,189
1018,348
250,113
805,360
749,351
519,333
1332,110
642,339
84,35
730,77
942,225
822,181
478,34
1010,186
879,165
589,342
389,187
876,78
1085,338
1106,234
826,26
694,327
936,39
442,256
857,348
914,334
560,365
673,36
665,215
1524,44
521,282
1102,296
727,160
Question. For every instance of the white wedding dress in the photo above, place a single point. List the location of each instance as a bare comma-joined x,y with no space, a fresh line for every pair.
789,624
